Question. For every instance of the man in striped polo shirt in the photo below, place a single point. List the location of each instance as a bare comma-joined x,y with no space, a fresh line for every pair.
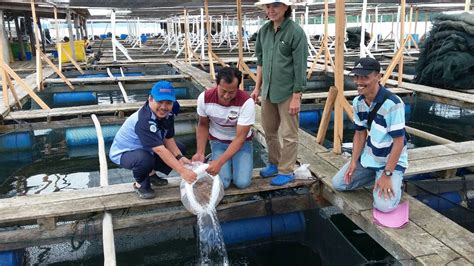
226,115
379,147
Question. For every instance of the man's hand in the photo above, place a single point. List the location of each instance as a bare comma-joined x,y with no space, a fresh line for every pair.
350,172
254,95
214,167
295,104
198,157
184,161
188,175
384,185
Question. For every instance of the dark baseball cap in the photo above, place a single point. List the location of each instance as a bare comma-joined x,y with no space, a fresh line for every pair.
365,66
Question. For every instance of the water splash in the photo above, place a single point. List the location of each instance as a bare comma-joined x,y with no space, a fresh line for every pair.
211,242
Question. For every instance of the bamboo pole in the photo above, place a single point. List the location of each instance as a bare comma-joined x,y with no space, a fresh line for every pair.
186,36
402,42
6,102
13,91
58,45
239,38
416,20
39,67
339,76
71,37
24,86
61,75
467,6
409,24
393,63
209,41
326,116
20,38
326,32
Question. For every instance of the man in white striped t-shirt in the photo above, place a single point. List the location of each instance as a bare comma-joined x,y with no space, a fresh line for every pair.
226,115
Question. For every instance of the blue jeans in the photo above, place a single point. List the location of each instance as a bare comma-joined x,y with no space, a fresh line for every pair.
239,168
364,177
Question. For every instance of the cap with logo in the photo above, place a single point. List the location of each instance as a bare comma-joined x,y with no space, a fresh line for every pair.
365,66
163,91
266,2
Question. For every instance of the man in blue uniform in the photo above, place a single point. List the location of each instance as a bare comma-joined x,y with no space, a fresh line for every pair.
145,143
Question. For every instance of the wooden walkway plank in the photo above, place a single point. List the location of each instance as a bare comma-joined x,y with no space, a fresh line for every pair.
112,199
85,110
105,80
324,95
458,238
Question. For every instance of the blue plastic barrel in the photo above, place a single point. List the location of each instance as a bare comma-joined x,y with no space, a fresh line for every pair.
63,99
181,93
28,56
11,257
88,136
143,38
103,36
123,36
310,119
259,228
16,141
444,201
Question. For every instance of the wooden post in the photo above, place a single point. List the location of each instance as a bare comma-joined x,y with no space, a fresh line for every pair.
467,6
19,35
410,17
427,14
326,116
3,73
326,32
71,37
209,41
402,42
58,45
186,37
239,38
362,30
339,76
416,20
203,55
28,26
112,25
39,67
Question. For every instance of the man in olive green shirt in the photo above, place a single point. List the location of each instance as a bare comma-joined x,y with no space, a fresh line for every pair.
282,52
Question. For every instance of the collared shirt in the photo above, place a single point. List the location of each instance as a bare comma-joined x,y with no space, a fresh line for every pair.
283,56
223,119
388,123
142,130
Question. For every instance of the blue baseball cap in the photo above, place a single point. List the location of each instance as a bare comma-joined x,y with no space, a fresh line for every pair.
163,91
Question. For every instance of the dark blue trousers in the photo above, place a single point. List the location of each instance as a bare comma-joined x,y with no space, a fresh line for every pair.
142,162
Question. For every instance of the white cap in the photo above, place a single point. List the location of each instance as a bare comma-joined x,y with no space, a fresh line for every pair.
266,2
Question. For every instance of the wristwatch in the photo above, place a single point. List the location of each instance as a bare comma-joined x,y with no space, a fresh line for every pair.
387,172
179,156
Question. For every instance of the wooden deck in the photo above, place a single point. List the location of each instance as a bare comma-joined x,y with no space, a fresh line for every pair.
429,238
46,210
